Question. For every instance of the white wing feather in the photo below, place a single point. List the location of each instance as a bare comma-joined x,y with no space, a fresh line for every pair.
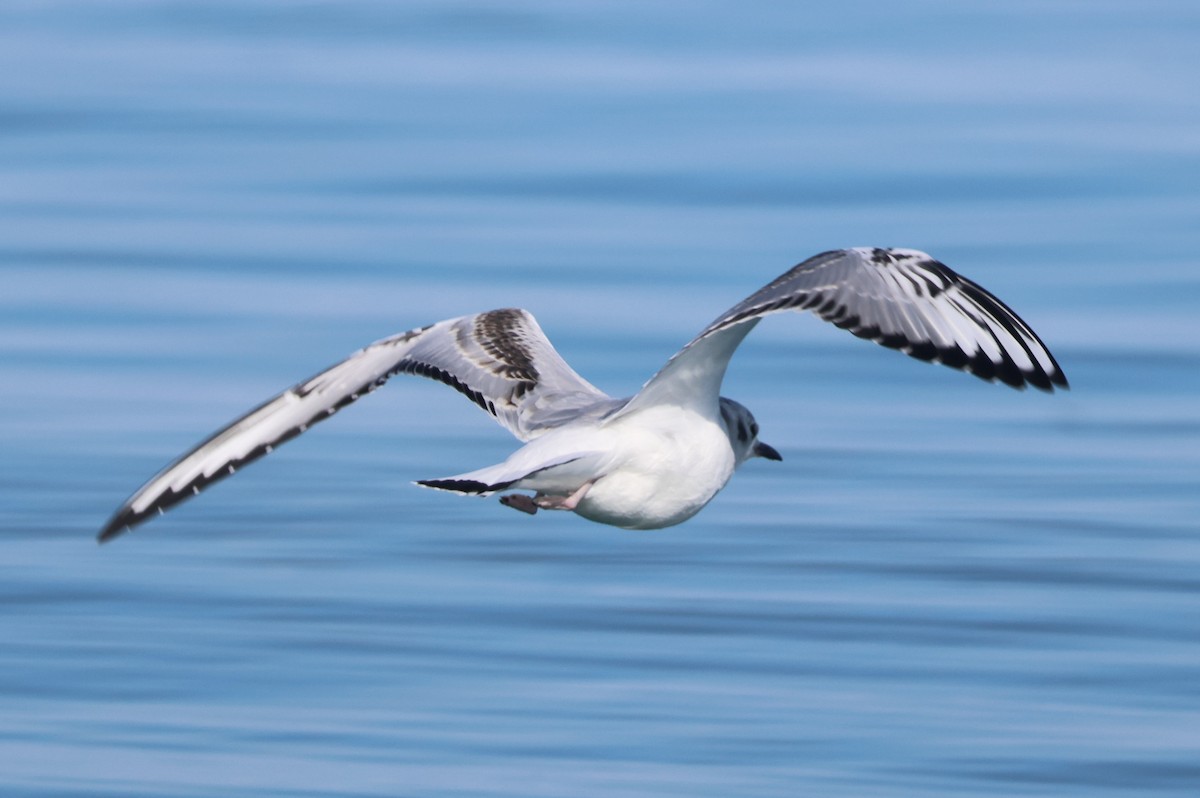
500,359
900,298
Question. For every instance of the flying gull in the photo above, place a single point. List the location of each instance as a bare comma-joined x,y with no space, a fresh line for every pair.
645,462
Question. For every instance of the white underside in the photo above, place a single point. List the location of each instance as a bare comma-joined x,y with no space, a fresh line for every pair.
650,469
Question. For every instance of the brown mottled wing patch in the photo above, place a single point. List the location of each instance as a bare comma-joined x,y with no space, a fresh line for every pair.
500,360
900,298
503,335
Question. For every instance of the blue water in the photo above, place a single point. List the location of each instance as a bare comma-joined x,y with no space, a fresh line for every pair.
947,588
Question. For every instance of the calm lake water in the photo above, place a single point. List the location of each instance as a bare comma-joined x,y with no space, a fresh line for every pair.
947,588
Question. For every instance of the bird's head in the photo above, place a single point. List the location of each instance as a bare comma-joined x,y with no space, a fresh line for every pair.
742,430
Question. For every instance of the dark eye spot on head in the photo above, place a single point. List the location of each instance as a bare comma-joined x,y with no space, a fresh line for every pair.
754,428
742,436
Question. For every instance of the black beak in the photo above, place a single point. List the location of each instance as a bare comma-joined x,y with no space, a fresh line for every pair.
767,452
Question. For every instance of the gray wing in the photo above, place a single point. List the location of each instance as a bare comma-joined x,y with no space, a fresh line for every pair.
899,298
500,360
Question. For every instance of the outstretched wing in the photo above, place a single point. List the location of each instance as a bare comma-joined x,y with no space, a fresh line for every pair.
900,298
500,359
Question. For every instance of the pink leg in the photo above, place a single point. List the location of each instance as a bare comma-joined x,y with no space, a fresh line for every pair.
561,503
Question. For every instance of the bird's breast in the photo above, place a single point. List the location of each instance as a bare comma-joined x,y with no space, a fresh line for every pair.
669,463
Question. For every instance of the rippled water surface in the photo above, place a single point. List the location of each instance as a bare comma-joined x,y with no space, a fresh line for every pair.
946,588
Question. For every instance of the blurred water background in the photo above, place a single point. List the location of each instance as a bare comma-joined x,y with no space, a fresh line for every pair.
947,588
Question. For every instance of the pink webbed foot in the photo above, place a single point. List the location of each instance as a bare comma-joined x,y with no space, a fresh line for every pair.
519,501
530,504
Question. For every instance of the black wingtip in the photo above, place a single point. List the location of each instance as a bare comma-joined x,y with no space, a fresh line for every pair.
127,518
1058,377
1048,382
121,522
108,533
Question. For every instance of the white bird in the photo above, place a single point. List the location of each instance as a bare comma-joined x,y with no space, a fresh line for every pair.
657,458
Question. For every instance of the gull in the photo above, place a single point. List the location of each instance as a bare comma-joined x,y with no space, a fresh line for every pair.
651,460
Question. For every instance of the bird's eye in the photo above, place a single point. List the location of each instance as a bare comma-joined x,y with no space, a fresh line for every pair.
754,428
